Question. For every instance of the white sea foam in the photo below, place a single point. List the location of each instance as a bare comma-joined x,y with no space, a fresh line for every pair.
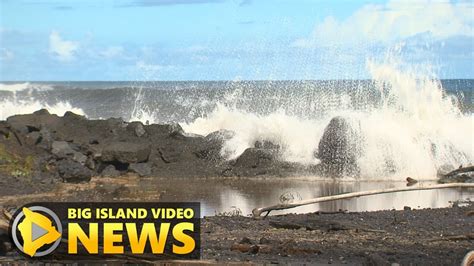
415,129
14,107
16,87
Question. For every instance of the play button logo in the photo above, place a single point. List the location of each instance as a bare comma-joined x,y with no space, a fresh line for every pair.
37,231
40,230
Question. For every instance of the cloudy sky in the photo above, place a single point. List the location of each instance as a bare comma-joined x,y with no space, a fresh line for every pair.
230,39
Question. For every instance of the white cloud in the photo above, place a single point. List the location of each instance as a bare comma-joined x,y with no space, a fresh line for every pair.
6,55
142,65
393,21
113,52
62,49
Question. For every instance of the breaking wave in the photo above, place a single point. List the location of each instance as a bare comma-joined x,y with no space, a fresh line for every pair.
12,104
412,129
410,125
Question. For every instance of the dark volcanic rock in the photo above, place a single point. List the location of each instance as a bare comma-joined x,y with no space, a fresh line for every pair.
32,122
137,128
110,171
73,172
112,147
142,169
33,138
253,158
340,147
164,130
211,148
126,152
221,135
265,144
258,162
444,170
62,150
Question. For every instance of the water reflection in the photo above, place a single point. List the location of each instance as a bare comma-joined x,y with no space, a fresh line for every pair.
217,196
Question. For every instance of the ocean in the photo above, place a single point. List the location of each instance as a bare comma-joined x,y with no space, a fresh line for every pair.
418,124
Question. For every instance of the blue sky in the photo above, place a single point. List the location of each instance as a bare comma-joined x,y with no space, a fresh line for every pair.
230,39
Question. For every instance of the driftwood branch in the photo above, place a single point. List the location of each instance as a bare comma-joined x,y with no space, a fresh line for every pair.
258,211
461,170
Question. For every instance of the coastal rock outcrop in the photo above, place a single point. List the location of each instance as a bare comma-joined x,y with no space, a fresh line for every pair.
263,161
211,148
340,147
73,148
126,152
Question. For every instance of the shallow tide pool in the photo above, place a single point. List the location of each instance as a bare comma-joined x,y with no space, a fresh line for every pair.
242,195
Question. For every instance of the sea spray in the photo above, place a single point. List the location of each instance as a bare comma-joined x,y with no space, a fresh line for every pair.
411,129
13,104
410,126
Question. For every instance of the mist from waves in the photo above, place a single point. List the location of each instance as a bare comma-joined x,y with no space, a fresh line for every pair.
11,104
410,125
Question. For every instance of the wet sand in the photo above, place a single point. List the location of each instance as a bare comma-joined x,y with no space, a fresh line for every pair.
407,237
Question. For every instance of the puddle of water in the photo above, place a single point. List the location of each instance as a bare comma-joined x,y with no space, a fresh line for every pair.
217,196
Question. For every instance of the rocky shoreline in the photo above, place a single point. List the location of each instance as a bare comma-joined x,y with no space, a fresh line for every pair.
71,158
44,148
407,237
72,149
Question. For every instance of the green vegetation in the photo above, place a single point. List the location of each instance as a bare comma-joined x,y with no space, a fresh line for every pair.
14,165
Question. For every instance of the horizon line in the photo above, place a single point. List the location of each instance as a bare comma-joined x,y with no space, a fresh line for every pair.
216,80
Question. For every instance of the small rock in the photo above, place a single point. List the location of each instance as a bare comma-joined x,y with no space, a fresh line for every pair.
137,128
264,241
61,149
265,249
142,169
42,112
411,181
265,144
175,130
407,208
244,248
90,163
110,171
46,139
73,172
444,169
254,249
245,240
126,152
33,138
222,135
72,116
79,157
253,158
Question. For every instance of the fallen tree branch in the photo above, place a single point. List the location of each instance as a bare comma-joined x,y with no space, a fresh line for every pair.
460,171
258,211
